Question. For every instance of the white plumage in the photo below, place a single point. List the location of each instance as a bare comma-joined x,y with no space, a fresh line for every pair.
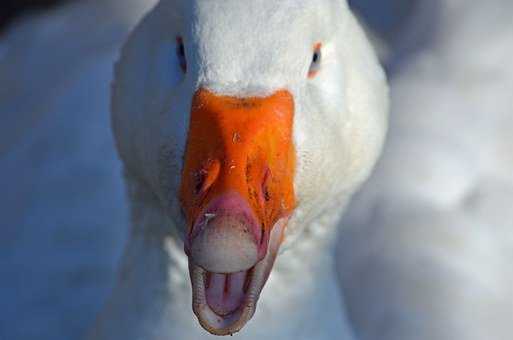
243,49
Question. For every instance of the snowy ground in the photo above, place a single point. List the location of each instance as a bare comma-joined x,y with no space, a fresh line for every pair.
428,245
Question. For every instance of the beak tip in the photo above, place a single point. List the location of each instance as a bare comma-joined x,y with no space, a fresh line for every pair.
226,237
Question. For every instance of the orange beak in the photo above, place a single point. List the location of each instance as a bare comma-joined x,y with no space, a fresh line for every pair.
237,184
242,147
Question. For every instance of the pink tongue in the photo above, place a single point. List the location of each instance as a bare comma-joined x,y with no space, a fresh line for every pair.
225,292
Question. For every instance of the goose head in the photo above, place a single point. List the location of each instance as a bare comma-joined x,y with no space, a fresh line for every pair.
247,120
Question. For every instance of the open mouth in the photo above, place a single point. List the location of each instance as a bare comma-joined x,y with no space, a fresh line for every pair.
225,302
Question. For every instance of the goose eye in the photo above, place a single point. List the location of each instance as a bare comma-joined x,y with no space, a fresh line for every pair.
316,61
180,52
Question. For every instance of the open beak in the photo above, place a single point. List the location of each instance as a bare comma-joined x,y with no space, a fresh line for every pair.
237,194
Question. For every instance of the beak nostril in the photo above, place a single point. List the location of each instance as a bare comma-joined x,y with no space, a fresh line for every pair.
267,195
206,177
199,180
264,190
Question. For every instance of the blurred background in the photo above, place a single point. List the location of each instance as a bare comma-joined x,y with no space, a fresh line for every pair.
15,8
426,250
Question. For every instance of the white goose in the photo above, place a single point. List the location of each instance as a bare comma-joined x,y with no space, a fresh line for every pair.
244,128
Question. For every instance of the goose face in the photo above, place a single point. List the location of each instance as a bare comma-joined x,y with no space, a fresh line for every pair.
246,119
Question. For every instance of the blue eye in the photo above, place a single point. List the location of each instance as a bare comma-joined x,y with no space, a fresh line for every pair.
316,58
315,65
180,52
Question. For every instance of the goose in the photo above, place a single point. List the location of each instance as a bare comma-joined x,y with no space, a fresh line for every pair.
60,236
244,127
